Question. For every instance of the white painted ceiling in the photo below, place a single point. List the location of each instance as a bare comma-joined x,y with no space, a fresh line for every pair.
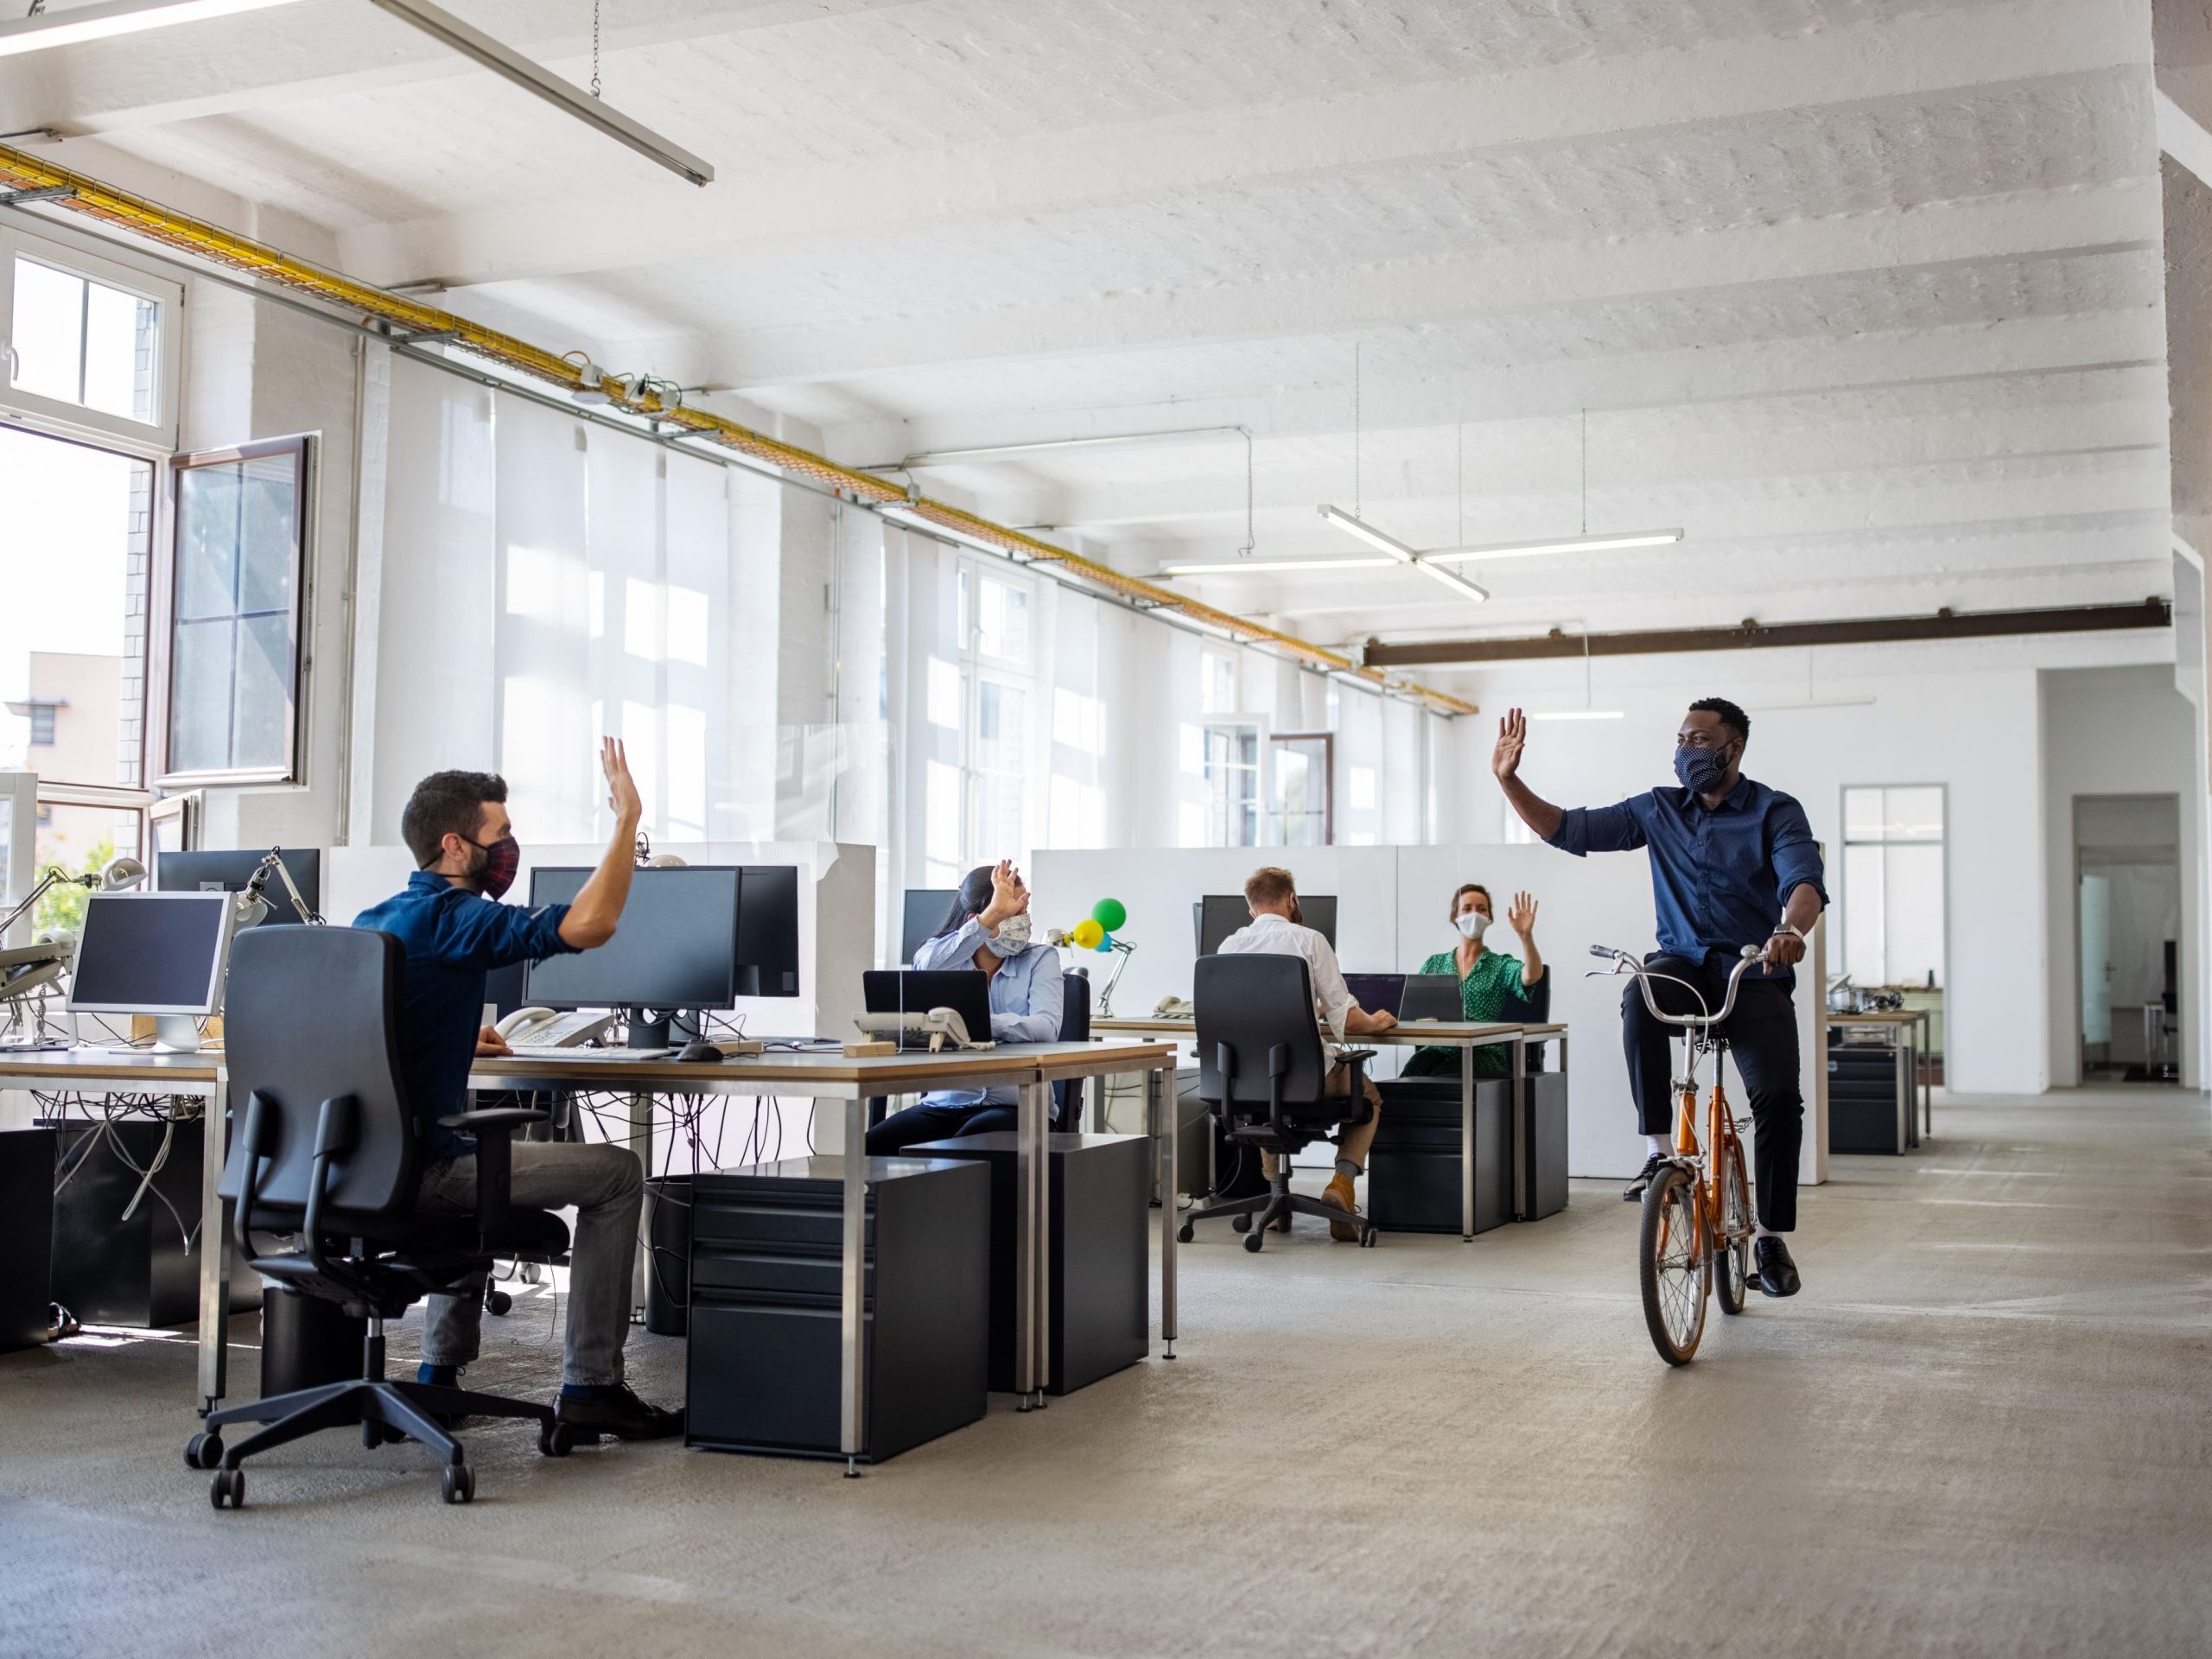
1864,294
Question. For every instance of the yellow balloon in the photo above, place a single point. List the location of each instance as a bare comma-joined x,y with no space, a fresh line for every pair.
1086,933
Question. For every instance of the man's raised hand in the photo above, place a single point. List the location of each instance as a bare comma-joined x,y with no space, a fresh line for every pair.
1512,736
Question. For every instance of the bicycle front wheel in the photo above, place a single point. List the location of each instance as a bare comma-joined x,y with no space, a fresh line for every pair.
1673,1265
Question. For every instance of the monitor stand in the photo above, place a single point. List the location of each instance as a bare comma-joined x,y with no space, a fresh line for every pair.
175,1034
645,1031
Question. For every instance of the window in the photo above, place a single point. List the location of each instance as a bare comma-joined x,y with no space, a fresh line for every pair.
1299,795
979,812
1892,900
234,616
72,648
88,343
1230,766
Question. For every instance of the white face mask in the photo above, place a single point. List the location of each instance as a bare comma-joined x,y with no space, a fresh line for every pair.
1013,932
1471,924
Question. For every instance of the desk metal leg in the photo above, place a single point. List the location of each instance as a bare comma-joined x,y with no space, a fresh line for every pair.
1927,1025
1520,1128
1033,1191
852,1427
214,1250
1466,1146
1160,1092
1095,1088
639,1140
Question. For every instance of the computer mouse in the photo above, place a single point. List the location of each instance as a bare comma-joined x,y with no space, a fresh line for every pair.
705,1052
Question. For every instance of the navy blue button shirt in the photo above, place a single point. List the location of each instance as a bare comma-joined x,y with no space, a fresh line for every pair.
452,938
1718,878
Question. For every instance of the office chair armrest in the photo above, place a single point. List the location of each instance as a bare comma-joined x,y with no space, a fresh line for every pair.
495,1117
1356,1060
495,1159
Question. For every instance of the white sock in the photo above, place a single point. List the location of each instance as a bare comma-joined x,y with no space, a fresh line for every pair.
1759,1231
1659,1144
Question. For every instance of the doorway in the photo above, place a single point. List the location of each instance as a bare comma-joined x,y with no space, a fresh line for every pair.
2128,908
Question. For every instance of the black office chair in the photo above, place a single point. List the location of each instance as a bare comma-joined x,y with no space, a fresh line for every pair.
1074,1027
1263,1070
327,1150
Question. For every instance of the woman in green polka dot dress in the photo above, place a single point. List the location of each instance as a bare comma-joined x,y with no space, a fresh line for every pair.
1491,987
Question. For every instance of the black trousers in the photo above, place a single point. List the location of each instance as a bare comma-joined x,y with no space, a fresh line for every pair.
926,1122
1762,1037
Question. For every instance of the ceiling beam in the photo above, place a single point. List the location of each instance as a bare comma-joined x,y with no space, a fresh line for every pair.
1749,635
1951,242
1897,60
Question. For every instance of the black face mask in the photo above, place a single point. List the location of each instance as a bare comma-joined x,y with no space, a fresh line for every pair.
1701,771
502,858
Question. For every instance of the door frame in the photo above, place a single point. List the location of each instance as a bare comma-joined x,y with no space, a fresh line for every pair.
2184,1024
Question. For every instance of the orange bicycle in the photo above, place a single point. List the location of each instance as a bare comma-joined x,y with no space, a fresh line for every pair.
1697,1211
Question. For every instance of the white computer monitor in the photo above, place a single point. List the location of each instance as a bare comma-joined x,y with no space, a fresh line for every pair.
161,954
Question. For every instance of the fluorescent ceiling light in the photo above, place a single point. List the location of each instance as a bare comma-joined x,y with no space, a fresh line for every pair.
504,61
1575,714
1571,544
1238,567
1402,554
110,18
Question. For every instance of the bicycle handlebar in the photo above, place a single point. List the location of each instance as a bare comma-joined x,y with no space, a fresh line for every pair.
1624,963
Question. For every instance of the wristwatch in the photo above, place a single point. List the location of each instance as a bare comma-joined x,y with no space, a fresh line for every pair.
1783,926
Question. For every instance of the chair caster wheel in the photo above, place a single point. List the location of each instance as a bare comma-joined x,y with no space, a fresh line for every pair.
498,1302
1184,1233
203,1450
1241,1223
228,1489
459,1484
372,1435
1252,1242
529,1273
1367,1239
556,1439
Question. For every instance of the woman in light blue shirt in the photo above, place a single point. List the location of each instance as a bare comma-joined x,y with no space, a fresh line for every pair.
988,928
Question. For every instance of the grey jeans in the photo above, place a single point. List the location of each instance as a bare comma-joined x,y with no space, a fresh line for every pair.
607,1188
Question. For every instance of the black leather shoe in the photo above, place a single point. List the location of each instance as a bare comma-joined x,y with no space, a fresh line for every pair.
1633,1190
1777,1273
621,1414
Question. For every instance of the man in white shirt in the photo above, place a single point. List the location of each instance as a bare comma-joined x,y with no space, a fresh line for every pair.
1276,929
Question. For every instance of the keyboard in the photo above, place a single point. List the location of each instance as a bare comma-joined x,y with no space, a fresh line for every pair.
525,1052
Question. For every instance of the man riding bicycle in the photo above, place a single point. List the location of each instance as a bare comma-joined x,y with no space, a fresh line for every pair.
1724,853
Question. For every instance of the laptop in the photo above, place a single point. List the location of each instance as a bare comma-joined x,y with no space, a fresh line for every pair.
1376,993
1431,996
966,991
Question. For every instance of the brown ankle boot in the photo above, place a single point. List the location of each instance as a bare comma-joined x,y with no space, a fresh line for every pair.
1338,1196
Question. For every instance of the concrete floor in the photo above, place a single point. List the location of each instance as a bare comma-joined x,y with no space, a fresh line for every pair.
1982,1428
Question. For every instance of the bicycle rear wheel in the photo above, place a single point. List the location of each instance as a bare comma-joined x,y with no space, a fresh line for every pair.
1672,1265
1732,1280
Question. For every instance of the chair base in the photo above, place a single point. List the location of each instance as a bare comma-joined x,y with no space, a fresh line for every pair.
1265,1208
384,1410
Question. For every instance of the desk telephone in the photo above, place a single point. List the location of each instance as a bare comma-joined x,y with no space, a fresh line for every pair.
940,1025
545,1028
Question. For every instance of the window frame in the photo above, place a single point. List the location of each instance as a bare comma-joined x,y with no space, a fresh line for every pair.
154,439
975,666
1845,898
1328,742
161,689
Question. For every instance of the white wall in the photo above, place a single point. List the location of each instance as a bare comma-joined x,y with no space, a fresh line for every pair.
2117,731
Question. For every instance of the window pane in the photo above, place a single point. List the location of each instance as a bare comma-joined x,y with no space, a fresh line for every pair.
1862,814
49,331
998,817
1862,914
119,338
943,694
1001,714
207,540
941,818
1912,913
1003,622
262,688
1913,814
200,707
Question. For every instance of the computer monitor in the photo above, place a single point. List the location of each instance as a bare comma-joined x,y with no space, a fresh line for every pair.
1220,914
767,930
927,909
1376,993
157,953
675,949
229,871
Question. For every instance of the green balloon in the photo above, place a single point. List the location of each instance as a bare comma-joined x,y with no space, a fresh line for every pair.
1110,913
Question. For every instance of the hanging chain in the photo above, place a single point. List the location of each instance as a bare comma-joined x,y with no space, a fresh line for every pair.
594,48
1585,472
1355,430
1250,541
1459,482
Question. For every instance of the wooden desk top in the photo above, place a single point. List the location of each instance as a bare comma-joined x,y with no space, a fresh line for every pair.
1443,1033
83,1068
803,1071
1880,1017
